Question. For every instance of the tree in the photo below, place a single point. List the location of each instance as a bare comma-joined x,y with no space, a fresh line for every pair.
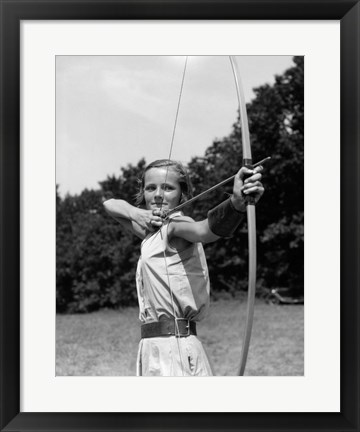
96,260
276,121
277,126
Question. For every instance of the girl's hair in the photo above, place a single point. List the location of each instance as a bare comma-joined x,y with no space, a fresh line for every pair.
184,180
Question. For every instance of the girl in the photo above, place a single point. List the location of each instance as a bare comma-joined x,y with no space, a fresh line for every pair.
172,276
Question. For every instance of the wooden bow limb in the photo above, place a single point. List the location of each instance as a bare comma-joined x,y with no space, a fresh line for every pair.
251,217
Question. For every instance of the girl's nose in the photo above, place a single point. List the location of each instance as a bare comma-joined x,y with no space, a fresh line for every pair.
159,192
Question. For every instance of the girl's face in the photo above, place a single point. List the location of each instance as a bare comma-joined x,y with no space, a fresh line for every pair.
158,193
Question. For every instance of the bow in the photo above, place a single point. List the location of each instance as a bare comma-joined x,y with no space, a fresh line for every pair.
251,217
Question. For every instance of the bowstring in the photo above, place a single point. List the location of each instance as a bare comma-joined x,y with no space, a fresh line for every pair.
164,251
177,112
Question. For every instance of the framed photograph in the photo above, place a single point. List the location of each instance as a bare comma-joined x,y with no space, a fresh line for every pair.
52,55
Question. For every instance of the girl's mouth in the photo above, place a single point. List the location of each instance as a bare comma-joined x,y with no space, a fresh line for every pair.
160,204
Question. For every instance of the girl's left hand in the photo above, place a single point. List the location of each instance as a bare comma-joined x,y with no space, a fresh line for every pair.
247,182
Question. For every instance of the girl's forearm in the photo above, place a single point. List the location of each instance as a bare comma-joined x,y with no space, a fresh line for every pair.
118,208
127,215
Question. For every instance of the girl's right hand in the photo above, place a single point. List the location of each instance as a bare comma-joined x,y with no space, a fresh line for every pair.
148,219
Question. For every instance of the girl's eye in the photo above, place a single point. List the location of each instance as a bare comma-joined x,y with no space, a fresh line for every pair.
149,188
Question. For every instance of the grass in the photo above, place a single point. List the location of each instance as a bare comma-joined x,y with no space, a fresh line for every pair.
105,343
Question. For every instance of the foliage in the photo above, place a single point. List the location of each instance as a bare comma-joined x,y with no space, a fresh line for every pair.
96,260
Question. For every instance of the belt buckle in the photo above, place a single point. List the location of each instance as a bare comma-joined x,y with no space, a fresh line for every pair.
177,330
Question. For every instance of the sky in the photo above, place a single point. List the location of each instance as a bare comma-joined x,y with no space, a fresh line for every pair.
114,110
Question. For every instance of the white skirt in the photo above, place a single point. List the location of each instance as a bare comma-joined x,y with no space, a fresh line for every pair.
172,356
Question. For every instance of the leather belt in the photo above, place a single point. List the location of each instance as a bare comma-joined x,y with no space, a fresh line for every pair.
182,328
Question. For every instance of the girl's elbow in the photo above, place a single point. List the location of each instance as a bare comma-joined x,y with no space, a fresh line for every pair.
108,205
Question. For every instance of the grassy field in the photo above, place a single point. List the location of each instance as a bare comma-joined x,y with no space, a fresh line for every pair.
105,342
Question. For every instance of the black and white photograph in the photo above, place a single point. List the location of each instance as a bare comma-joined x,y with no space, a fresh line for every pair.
179,215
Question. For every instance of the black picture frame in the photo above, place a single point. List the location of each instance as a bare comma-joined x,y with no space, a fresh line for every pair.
12,12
